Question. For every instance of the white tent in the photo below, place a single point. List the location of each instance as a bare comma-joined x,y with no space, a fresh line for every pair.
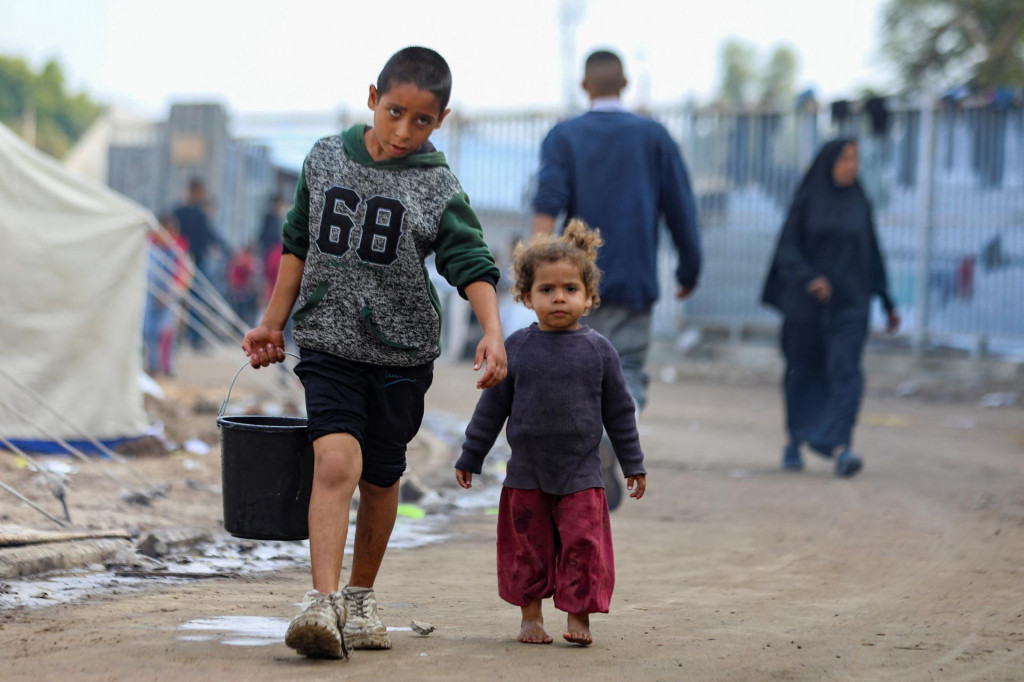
72,289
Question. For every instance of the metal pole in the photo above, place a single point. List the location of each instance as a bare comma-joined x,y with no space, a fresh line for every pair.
32,504
57,485
923,213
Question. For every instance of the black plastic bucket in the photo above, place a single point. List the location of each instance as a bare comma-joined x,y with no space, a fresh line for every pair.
267,475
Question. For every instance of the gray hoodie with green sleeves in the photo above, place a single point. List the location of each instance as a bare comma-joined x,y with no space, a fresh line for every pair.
364,228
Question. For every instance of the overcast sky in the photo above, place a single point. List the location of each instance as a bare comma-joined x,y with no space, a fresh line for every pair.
306,55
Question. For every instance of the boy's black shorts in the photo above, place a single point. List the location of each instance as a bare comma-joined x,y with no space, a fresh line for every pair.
382,407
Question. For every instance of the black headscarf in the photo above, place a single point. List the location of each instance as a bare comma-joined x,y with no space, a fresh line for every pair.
829,232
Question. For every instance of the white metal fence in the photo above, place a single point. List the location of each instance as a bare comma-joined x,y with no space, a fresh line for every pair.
947,183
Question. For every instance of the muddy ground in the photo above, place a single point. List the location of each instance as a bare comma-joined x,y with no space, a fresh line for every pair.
728,570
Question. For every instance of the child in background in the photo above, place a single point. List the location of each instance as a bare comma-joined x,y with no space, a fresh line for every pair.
169,275
564,384
243,283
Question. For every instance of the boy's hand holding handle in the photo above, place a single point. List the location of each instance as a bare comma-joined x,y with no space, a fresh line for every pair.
264,346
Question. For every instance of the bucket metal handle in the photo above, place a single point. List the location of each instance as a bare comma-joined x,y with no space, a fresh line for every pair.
224,404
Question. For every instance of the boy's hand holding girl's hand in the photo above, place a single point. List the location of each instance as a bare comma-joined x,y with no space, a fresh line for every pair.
264,346
640,482
490,351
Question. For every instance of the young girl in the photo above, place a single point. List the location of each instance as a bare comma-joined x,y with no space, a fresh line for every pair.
564,384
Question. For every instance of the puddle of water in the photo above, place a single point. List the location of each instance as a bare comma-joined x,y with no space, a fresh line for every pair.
244,630
239,630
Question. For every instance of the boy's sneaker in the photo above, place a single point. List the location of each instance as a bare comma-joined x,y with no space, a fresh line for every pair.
363,628
848,464
791,460
315,632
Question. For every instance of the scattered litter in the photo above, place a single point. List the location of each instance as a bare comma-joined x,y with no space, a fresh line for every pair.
189,464
158,490
195,446
687,341
1008,399
205,487
411,511
421,628
56,466
157,431
739,473
134,497
669,375
908,388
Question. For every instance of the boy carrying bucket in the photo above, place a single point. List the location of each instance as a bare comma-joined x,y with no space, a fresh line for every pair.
370,205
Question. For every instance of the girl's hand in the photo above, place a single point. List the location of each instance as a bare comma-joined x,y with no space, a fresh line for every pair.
640,481
464,478
264,346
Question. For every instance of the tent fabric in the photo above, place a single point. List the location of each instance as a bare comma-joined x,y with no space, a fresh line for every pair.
72,290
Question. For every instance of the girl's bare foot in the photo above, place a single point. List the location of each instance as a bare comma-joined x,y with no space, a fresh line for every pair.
578,629
532,630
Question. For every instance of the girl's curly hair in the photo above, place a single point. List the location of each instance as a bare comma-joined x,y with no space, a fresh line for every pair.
578,245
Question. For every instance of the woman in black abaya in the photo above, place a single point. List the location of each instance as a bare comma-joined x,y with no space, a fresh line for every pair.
826,269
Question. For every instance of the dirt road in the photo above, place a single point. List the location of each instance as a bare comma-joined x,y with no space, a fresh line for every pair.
728,570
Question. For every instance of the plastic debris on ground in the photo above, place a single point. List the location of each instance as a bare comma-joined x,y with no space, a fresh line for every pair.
195,446
1007,399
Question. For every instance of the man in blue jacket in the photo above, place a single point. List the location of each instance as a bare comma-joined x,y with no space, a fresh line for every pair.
623,174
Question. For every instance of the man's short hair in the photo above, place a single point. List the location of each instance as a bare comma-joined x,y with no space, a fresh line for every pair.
196,183
599,57
422,67
604,74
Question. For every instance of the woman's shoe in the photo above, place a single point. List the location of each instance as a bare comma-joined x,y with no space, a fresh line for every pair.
791,460
848,464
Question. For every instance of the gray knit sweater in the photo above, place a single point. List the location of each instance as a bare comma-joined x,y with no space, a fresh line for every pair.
561,388
364,228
